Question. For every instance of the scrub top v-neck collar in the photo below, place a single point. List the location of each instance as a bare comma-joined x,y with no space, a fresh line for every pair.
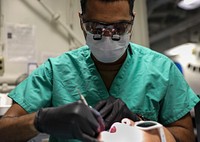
117,81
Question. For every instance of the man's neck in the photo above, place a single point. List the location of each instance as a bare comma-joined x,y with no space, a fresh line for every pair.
108,71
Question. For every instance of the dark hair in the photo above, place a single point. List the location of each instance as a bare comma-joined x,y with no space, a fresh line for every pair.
84,2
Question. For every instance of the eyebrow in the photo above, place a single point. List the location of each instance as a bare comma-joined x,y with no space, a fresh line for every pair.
105,23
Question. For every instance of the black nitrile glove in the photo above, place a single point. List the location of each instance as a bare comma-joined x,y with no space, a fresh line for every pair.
114,110
71,121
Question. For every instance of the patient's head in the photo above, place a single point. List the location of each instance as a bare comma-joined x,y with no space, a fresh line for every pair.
126,132
122,132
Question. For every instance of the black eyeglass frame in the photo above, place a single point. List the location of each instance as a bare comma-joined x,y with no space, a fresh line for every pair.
98,32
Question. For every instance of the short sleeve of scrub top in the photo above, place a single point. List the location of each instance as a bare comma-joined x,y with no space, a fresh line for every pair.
35,91
178,95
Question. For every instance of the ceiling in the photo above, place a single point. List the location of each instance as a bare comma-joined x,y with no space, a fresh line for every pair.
170,25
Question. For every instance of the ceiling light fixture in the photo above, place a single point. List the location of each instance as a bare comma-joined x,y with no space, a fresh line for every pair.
189,4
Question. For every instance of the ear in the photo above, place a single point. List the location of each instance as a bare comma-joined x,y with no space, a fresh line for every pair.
80,14
133,14
81,23
80,18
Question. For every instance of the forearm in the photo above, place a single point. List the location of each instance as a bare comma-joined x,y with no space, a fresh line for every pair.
154,136
182,134
17,128
169,136
178,134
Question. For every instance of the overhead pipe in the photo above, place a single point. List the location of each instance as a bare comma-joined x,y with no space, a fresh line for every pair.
56,17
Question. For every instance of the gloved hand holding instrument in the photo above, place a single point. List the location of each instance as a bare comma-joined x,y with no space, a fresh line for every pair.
114,110
72,121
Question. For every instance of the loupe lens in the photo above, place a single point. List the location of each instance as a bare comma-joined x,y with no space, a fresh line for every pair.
146,124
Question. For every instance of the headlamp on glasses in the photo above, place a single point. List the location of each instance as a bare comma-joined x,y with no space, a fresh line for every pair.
114,30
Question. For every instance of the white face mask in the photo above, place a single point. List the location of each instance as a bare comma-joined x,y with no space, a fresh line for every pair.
107,50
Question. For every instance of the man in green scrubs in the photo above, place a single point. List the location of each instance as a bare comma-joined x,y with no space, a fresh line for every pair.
117,77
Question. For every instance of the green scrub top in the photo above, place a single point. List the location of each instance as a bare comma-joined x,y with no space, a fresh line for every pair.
148,82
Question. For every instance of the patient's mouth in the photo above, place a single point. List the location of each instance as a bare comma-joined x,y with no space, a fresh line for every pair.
113,129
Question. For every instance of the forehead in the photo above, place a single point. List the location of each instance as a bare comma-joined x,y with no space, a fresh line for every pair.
111,11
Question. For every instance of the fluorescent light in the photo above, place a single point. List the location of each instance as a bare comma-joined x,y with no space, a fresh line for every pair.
189,4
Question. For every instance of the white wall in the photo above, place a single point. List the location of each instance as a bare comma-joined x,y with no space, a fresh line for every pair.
52,39
140,29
